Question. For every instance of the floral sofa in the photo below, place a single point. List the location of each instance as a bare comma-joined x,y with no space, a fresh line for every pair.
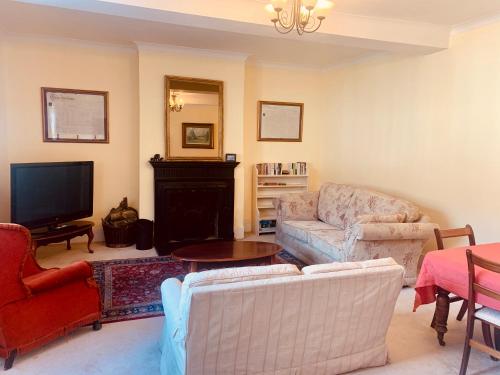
344,223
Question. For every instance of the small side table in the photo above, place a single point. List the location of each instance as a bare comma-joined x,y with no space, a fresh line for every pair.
71,230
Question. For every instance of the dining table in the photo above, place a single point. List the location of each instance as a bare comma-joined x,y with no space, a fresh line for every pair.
445,272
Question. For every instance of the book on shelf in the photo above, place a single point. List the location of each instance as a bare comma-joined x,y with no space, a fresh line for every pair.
273,184
278,169
267,224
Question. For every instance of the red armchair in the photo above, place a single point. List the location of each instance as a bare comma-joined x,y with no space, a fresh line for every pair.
38,305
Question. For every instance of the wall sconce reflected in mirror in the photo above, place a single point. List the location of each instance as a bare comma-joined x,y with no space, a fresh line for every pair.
176,103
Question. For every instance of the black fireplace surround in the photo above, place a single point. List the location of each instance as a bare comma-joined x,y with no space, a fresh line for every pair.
194,201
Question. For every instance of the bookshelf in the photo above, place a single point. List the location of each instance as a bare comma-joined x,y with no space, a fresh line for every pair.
269,182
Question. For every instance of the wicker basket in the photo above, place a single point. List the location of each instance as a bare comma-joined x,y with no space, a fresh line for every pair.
119,237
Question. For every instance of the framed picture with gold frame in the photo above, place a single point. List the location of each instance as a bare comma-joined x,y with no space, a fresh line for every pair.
195,135
280,121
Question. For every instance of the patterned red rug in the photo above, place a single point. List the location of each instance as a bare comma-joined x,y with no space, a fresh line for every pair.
130,288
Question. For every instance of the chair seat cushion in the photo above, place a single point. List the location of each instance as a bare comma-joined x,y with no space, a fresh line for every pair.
489,315
300,229
329,242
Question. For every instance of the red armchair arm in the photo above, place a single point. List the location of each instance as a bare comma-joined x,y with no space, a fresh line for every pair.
56,277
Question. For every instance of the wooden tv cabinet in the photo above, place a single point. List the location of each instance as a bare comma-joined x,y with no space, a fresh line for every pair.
66,233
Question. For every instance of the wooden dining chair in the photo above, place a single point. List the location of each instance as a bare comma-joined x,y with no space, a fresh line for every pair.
489,318
452,233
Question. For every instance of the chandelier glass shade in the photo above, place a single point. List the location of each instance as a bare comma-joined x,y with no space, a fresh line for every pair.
175,103
305,16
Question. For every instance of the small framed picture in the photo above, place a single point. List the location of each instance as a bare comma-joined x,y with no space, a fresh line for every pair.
230,157
195,135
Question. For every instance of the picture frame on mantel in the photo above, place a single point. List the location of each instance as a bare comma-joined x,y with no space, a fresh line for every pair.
280,121
75,116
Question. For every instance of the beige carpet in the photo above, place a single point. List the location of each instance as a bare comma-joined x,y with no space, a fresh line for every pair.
131,347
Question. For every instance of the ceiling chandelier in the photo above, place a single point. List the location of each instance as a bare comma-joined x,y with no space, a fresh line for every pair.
305,16
175,103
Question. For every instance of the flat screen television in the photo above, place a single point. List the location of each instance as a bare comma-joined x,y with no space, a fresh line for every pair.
50,194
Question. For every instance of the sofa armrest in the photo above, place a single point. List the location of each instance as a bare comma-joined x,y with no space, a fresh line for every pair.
297,206
171,296
392,231
57,277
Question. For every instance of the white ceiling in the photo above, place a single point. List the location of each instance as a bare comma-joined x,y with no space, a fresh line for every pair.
356,29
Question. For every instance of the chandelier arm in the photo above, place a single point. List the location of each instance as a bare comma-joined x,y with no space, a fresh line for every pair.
313,30
283,31
282,18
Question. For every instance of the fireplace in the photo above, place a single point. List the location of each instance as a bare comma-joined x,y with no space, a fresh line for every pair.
194,201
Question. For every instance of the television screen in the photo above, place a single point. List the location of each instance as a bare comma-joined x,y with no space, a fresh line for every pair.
45,194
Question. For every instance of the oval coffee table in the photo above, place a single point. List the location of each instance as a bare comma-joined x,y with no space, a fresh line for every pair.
226,251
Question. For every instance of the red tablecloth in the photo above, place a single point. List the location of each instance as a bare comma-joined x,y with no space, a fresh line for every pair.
448,270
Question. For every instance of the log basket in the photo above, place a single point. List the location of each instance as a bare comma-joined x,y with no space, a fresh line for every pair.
122,236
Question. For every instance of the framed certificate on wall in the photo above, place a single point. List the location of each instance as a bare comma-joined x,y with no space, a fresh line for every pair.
280,121
75,115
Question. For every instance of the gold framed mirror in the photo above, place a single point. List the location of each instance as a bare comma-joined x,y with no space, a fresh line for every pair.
194,118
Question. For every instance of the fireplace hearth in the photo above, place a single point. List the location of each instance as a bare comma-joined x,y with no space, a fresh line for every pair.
194,202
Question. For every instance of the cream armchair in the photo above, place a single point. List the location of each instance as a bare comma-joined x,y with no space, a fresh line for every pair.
277,320
343,223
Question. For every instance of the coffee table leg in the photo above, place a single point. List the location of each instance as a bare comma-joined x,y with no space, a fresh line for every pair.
442,310
193,266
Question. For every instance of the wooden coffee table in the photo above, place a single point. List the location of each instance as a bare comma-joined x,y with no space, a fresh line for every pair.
226,251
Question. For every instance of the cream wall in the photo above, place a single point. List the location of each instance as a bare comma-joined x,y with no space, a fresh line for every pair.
286,84
424,128
4,168
32,63
154,63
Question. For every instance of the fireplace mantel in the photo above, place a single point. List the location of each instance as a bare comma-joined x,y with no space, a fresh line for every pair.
194,201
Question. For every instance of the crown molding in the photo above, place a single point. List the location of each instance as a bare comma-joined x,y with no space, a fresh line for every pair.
474,24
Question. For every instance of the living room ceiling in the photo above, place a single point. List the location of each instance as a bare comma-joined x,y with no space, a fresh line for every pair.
354,30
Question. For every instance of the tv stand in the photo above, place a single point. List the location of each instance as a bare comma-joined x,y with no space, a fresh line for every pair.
64,232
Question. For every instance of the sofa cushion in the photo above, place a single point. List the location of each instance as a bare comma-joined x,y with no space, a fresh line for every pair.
335,266
300,229
329,242
299,206
237,274
374,218
367,202
225,276
333,203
